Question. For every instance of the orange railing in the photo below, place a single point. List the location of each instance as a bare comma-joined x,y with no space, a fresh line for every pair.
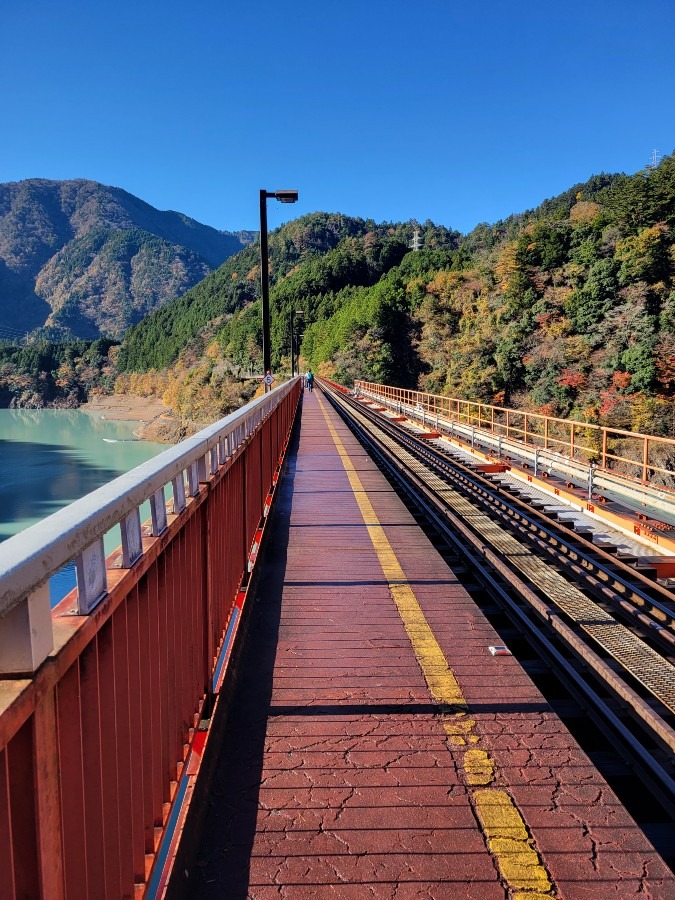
94,743
644,457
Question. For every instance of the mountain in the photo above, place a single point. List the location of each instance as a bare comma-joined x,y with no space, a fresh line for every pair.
312,259
567,309
82,259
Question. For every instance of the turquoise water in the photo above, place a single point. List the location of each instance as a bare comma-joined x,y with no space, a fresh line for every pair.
50,457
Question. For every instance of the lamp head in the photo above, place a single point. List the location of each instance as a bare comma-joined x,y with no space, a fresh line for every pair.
286,196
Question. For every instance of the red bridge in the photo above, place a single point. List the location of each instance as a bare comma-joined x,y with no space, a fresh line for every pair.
329,717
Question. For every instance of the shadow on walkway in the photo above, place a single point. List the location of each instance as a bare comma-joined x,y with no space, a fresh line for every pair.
221,867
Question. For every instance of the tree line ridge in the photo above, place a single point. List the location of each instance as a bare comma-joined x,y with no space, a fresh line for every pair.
566,309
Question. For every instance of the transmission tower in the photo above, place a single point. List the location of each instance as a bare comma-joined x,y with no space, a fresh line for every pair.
416,239
654,159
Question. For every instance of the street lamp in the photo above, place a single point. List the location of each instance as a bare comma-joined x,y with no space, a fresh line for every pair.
282,197
300,314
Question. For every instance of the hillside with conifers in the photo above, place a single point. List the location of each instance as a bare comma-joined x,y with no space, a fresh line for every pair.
312,259
567,309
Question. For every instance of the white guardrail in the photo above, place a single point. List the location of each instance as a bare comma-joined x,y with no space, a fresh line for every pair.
75,533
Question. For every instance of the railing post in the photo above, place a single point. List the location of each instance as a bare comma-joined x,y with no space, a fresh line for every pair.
645,459
178,484
132,538
207,594
158,512
193,480
603,460
26,637
546,433
244,511
48,798
92,581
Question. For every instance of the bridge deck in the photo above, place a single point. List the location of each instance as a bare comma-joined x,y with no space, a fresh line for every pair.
375,747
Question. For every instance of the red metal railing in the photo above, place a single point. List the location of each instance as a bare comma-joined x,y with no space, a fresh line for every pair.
640,456
334,385
93,744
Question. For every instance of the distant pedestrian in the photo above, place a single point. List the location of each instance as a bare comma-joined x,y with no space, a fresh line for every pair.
309,379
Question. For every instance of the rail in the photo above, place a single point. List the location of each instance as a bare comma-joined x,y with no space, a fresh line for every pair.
473,516
101,697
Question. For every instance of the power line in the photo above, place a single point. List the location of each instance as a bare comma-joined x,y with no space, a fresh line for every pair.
11,330
12,335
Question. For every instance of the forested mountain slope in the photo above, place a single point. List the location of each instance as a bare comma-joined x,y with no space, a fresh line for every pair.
312,260
567,309
571,312
85,259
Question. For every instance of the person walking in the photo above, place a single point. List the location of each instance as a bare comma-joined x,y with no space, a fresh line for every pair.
310,381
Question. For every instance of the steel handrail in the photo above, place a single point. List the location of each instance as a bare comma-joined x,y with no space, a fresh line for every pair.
499,419
29,558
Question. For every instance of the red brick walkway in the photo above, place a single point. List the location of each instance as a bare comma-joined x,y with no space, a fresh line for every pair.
339,779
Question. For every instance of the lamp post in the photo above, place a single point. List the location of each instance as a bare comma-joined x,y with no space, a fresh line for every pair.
282,197
299,313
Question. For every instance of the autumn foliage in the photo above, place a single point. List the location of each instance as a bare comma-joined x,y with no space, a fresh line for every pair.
567,309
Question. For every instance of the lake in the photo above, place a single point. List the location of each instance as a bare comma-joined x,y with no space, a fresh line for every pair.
50,457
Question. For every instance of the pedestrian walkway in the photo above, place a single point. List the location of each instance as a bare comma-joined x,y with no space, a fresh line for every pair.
375,747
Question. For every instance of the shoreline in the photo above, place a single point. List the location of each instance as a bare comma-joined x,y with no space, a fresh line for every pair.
155,421
125,408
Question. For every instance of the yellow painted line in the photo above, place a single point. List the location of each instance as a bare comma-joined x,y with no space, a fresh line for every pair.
508,839
442,683
460,730
501,822
478,767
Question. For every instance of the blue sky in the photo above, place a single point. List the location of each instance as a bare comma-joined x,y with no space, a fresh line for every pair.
459,112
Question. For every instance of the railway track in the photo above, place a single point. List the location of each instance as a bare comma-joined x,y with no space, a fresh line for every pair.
605,628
